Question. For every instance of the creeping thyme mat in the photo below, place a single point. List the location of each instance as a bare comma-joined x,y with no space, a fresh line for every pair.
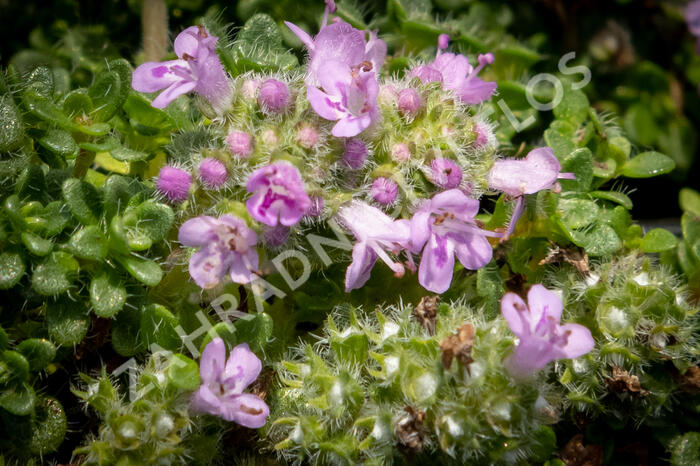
233,256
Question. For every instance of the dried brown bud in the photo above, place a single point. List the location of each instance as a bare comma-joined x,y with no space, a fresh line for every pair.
621,382
458,346
426,312
409,431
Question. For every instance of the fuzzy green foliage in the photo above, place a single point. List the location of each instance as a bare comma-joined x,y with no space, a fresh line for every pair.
343,400
641,318
153,427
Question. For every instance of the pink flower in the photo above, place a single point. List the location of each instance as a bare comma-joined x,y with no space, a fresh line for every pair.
542,338
376,233
213,172
442,228
197,69
278,195
537,171
226,245
384,190
240,143
274,96
445,173
174,183
223,382
409,102
457,75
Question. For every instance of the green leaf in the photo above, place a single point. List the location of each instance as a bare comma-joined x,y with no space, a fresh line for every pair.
658,240
125,332
118,190
144,118
124,154
12,132
614,196
123,68
40,80
83,200
117,236
560,137
89,243
158,326
12,269
580,163
573,106
600,240
67,321
690,201
255,330
183,373
146,271
105,93
648,164
31,184
36,244
77,103
19,399
258,47
55,274
59,142
38,351
49,112
17,365
577,213
685,449
4,340
147,224
107,293
49,426
640,125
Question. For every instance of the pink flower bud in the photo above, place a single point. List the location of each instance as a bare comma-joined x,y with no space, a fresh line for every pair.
275,236
213,172
316,208
174,183
443,41
400,152
387,95
307,137
384,190
355,153
274,96
269,137
409,102
250,87
240,144
481,136
445,173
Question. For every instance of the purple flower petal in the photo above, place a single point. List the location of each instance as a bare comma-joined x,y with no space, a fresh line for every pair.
323,104
247,410
197,231
475,90
207,267
512,308
213,361
538,171
242,368
303,36
358,272
541,302
173,92
187,42
154,76
579,340
473,251
243,269
437,264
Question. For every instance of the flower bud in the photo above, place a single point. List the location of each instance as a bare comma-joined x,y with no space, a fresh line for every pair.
250,87
269,137
482,136
355,153
384,190
274,96
213,172
400,152
409,102
443,41
307,137
275,236
316,208
445,173
174,183
240,144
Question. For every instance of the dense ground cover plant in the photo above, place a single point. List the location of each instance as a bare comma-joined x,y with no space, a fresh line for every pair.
376,250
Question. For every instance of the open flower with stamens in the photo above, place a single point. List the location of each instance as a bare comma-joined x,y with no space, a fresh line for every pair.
278,195
226,245
223,382
443,227
197,69
539,170
457,75
340,42
377,234
542,338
